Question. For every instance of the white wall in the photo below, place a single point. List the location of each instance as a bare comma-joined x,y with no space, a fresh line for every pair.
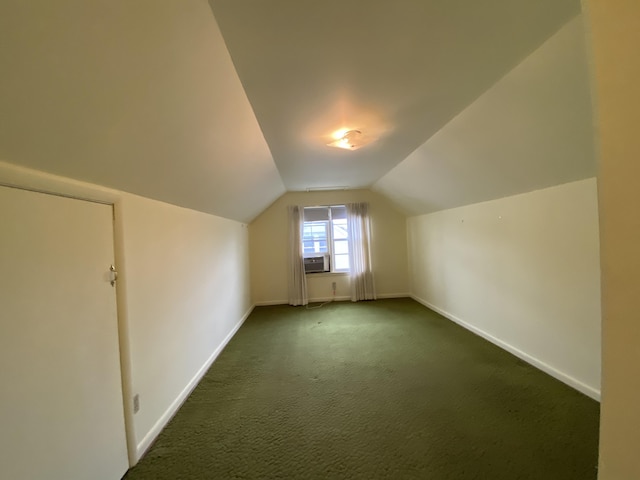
269,239
187,287
615,35
182,292
522,271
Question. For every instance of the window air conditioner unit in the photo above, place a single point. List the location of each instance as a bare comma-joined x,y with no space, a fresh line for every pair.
316,264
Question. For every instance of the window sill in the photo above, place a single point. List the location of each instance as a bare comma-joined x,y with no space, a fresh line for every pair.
327,274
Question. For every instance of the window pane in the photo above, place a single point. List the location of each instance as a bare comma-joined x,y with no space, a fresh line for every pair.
338,211
314,237
314,247
342,262
340,246
340,229
314,231
316,214
340,243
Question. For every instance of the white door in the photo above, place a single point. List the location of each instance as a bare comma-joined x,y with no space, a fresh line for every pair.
61,412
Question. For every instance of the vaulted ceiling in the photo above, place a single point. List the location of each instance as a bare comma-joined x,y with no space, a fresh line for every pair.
221,107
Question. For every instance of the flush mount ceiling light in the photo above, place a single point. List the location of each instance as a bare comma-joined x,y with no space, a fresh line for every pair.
350,139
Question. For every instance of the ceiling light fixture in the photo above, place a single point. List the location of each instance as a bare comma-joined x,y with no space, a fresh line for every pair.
350,139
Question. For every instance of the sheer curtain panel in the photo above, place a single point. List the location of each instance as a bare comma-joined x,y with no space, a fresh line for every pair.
362,285
297,278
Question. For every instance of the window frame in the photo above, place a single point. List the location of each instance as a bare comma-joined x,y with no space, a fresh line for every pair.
330,240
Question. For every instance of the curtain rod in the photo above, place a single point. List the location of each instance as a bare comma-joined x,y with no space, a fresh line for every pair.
325,189
325,206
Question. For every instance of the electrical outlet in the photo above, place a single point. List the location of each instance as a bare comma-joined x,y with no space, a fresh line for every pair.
136,403
333,286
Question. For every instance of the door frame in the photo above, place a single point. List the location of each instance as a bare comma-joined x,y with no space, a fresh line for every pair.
34,180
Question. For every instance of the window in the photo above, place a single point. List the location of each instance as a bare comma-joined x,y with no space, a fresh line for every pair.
325,233
315,238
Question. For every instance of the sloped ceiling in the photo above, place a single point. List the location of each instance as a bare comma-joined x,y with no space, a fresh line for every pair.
532,129
221,107
398,70
137,95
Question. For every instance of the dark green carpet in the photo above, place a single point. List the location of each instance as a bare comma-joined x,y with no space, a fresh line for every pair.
373,390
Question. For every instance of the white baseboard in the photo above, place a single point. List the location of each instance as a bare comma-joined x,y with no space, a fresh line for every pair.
311,300
271,302
148,439
342,298
393,295
548,369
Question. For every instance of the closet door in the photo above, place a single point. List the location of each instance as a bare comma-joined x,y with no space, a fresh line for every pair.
61,411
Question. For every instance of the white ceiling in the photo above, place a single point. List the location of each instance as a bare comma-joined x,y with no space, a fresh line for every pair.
397,69
152,97
137,95
531,130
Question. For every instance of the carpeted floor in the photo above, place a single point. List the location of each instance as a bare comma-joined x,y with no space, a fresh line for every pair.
373,390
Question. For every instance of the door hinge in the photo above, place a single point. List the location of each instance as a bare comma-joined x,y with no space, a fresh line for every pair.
113,275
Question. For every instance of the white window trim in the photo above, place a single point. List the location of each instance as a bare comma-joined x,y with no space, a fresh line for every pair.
330,244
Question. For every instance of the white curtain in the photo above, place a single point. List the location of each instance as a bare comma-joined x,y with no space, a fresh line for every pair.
297,278
362,286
